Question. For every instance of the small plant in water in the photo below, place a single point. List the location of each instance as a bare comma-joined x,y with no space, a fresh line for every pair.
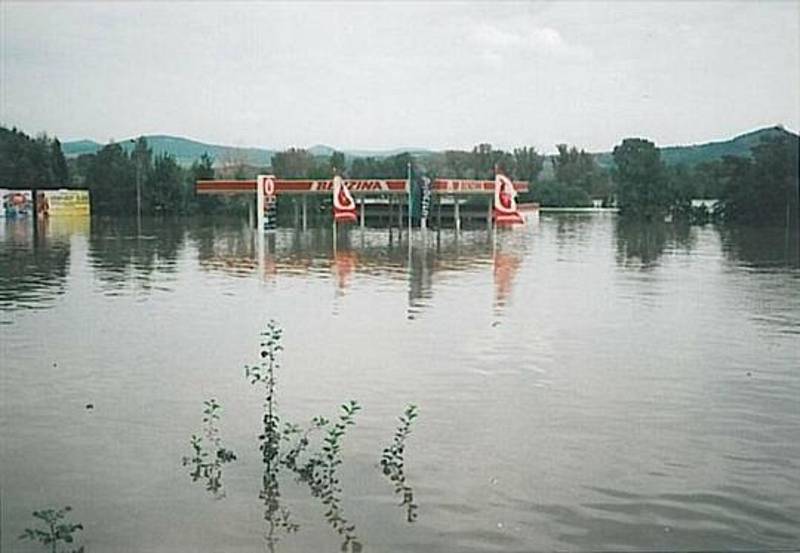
208,463
318,470
57,530
285,445
392,462
276,515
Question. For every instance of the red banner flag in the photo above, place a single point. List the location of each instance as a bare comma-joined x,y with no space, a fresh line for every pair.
505,202
344,207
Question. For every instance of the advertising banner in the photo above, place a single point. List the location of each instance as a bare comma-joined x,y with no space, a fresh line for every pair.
66,203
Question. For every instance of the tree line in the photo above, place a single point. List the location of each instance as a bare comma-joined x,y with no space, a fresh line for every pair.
36,162
761,188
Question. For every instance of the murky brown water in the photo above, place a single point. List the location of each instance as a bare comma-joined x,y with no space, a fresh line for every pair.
582,384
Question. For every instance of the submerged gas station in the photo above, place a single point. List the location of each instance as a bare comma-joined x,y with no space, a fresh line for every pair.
390,199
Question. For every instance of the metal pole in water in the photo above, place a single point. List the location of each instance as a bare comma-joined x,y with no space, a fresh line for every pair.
260,204
409,197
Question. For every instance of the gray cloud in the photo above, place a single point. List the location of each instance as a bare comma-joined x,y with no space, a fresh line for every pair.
365,75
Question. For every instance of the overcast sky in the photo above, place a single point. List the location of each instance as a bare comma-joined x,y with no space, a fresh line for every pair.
383,75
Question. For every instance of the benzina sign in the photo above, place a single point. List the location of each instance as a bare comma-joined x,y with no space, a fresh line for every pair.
458,185
377,186
360,185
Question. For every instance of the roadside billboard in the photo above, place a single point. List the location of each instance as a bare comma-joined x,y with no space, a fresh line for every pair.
65,203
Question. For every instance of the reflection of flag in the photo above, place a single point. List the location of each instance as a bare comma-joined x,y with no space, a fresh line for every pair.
344,207
344,263
505,202
505,268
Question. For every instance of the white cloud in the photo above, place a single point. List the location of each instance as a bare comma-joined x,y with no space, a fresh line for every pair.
497,42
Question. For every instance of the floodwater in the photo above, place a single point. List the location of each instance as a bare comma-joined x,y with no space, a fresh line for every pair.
581,383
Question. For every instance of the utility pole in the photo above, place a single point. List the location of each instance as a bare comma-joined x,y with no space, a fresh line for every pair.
138,191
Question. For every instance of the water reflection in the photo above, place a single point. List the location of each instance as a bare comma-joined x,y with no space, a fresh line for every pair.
34,263
762,247
506,266
348,252
640,244
120,255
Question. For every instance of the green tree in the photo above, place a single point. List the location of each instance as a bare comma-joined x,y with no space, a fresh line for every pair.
27,162
550,193
576,168
165,186
527,163
293,163
336,161
58,164
484,158
457,164
111,178
762,190
681,188
203,169
642,188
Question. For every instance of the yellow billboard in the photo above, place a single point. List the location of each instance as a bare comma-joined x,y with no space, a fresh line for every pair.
65,203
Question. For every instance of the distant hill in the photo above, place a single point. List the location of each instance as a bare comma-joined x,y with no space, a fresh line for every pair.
323,150
700,153
187,151
739,146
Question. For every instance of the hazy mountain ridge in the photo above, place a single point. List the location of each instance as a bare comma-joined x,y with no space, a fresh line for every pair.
187,151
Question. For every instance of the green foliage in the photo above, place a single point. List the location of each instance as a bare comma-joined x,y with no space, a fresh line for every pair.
681,192
759,188
318,469
293,163
527,164
31,163
479,163
57,530
556,194
642,187
762,190
336,162
166,187
392,462
58,164
111,179
573,168
208,462
392,167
